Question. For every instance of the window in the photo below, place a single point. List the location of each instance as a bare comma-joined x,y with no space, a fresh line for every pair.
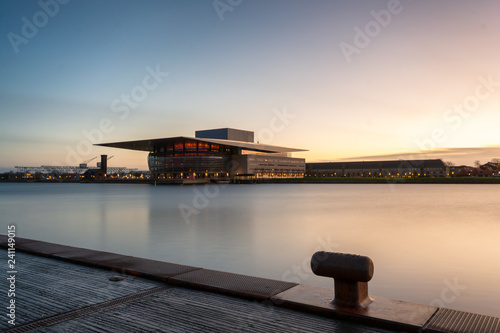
179,146
190,146
203,146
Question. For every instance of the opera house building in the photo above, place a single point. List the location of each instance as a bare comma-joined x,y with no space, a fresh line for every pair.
218,154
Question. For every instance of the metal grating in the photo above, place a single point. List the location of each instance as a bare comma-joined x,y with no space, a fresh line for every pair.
184,310
88,310
146,267
234,284
453,321
41,248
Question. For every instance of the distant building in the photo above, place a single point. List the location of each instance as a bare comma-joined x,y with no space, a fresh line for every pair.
398,168
220,154
100,173
460,170
489,169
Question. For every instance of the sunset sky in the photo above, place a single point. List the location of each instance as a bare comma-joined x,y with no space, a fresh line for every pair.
347,80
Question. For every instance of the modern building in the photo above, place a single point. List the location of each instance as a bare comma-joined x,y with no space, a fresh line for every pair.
219,154
398,168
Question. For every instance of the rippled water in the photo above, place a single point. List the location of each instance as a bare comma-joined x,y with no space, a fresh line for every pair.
434,244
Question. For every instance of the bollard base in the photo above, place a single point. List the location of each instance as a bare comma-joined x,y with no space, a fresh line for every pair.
351,294
384,312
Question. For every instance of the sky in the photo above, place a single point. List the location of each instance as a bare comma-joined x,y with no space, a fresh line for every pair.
347,80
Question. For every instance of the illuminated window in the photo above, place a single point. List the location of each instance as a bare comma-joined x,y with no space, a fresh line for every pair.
179,146
203,146
190,146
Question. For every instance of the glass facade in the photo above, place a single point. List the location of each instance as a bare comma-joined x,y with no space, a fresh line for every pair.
184,158
269,166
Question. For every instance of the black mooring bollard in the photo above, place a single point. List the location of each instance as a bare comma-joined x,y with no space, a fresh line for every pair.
351,274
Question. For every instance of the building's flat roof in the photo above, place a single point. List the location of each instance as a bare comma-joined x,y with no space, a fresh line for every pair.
147,145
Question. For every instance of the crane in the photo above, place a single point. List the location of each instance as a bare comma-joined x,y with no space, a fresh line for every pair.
83,165
87,161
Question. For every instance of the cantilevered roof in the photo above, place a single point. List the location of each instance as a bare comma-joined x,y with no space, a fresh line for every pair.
147,145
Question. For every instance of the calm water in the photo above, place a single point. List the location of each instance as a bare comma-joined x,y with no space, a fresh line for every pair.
431,244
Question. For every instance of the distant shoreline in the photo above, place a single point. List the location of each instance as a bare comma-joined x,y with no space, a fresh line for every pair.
327,180
362,180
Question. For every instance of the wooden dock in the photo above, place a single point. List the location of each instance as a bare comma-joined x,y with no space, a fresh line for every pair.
64,289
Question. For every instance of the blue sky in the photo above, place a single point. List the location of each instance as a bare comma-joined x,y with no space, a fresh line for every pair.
346,80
